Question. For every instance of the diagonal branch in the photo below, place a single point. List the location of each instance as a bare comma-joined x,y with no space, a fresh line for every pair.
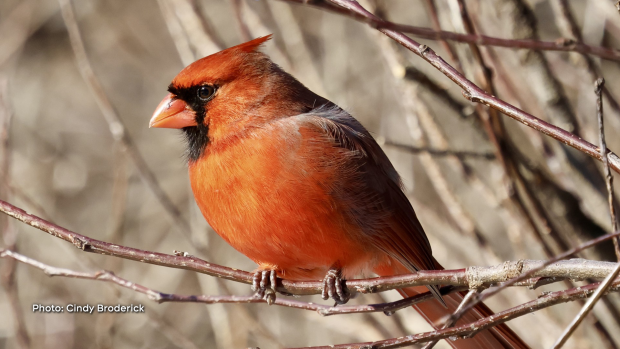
474,93
524,275
609,179
606,284
561,44
468,330
452,320
601,290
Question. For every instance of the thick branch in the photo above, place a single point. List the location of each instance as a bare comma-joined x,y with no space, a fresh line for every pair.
460,331
473,277
160,297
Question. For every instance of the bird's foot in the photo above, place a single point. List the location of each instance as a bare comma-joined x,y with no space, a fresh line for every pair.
264,284
334,288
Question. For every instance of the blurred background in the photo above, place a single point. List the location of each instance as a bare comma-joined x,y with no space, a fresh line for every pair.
65,157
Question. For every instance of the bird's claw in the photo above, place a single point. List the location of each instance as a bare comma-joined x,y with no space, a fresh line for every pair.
264,284
333,287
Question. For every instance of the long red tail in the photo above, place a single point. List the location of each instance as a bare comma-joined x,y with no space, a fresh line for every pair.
498,337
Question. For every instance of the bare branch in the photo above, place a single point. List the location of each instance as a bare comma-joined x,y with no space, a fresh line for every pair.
527,274
483,40
472,277
96,246
609,179
606,284
432,9
469,330
160,297
601,290
452,320
465,330
475,93
572,29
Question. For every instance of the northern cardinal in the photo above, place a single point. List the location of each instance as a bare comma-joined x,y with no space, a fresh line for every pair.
297,184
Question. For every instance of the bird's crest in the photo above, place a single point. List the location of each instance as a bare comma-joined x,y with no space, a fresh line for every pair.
252,45
218,66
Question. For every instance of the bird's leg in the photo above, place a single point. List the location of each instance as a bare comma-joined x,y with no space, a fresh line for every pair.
333,287
264,284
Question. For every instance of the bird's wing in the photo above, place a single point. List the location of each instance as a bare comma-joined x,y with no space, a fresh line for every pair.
370,189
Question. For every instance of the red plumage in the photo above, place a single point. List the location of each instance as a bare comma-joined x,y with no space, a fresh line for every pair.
295,183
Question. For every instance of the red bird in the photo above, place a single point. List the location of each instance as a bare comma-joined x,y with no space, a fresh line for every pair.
297,184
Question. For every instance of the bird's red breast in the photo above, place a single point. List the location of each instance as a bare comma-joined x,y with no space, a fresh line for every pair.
274,194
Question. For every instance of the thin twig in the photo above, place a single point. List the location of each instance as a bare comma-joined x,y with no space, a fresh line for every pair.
432,9
437,152
578,226
601,290
469,330
496,132
498,136
527,274
424,131
418,118
573,29
609,179
452,320
598,86
483,40
475,93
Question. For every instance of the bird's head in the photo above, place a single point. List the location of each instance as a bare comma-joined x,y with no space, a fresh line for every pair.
226,93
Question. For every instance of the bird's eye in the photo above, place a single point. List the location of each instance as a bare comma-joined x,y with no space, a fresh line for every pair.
206,92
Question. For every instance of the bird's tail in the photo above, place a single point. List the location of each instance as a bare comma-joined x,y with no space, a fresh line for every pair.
434,312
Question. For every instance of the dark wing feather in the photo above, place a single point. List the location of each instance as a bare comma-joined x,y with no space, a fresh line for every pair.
373,187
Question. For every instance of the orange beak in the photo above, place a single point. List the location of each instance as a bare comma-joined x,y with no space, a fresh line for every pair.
173,113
